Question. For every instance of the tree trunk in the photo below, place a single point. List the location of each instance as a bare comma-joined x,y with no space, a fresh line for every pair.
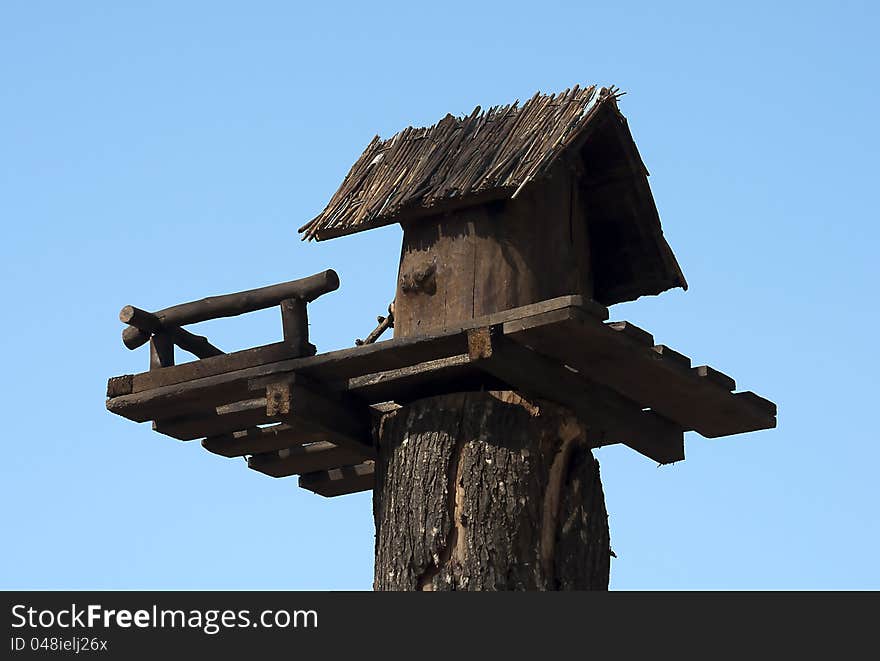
488,491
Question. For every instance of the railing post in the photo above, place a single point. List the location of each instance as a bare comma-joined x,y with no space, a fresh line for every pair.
161,351
295,322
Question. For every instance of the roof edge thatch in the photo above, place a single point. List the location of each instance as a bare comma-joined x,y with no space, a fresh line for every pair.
487,155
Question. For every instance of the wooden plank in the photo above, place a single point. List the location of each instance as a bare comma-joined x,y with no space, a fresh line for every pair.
381,356
119,385
212,366
416,212
436,275
672,355
308,406
180,398
408,351
716,377
610,417
641,374
340,481
633,332
435,377
222,420
345,420
231,305
258,440
620,360
309,458
757,401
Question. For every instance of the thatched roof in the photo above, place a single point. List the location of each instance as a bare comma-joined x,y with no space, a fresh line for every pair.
494,155
504,147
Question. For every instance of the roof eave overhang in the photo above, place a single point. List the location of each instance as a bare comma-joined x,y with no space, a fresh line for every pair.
419,212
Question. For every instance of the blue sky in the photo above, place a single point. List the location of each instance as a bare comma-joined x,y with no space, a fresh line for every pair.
157,152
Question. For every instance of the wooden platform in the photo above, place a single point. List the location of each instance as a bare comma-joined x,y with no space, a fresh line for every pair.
311,416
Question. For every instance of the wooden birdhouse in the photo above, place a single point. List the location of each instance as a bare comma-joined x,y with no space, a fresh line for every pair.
521,225
509,207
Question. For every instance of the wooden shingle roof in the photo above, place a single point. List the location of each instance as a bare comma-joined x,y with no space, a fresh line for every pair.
501,150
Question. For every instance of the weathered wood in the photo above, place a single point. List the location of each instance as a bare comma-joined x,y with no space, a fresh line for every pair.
309,458
609,417
198,345
190,389
161,351
638,372
429,176
258,440
488,491
465,158
384,324
186,414
672,355
615,372
140,319
278,399
119,385
408,351
758,402
346,363
630,257
222,420
490,258
633,332
295,322
435,209
180,399
343,420
149,323
230,305
716,377
340,481
616,360
212,366
433,377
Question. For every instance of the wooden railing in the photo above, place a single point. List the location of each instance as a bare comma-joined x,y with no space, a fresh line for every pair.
164,329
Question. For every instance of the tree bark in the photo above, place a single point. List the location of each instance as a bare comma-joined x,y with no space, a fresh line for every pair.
488,491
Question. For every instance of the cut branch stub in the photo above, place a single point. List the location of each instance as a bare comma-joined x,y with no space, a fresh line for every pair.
384,324
228,305
140,319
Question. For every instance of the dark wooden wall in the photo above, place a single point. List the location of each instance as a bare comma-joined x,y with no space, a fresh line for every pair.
494,256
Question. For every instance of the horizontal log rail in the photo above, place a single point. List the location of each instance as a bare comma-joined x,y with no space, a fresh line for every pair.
165,325
229,305
197,345
312,414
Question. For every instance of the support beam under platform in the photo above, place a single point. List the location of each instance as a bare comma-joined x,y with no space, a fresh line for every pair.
309,458
340,481
612,375
611,418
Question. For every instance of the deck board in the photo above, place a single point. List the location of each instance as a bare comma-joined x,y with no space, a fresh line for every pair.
625,386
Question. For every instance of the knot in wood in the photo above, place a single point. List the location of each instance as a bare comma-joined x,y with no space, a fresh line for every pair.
420,278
